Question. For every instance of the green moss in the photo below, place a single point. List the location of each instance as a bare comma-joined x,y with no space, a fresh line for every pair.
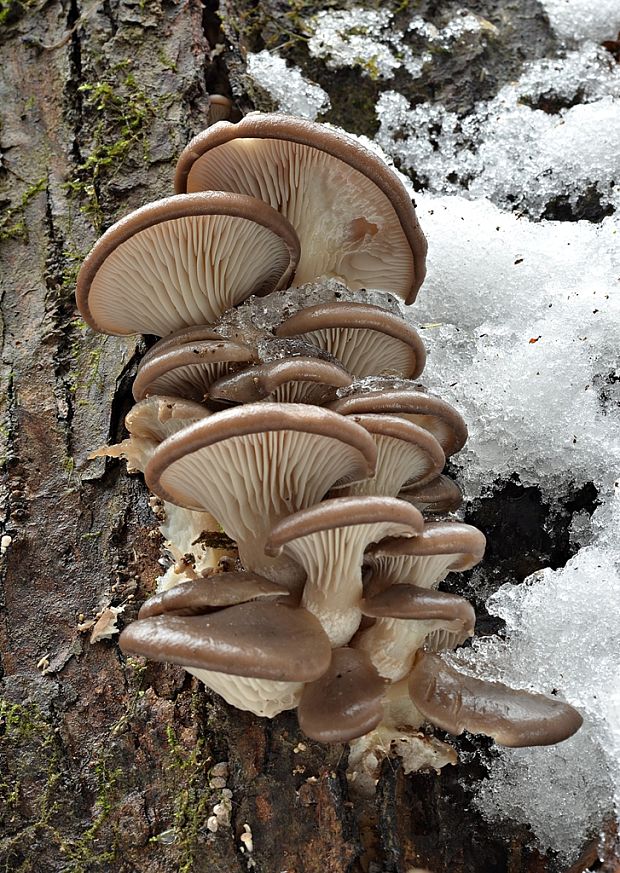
13,221
123,112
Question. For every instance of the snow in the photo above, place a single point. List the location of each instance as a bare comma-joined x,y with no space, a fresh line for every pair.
293,93
521,318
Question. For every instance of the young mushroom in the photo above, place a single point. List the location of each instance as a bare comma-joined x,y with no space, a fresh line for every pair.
353,216
368,340
184,260
440,495
328,541
256,464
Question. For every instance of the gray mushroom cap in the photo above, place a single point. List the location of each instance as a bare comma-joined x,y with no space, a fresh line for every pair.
259,640
354,217
188,370
344,703
210,593
295,380
456,702
184,260
410,400
367,339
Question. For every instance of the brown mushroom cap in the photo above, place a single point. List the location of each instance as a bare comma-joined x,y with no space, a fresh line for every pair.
456,702
409,617
367,339
189,370
261,640
443,546
257,463
220,108
354,217
405,452
411,401
328,540
210,593
346,702
291,380
440,495
184,260
183,336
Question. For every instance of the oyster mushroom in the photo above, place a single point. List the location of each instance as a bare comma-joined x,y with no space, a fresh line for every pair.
368,340
345,702
456,702
440,495
406,617
328,540
254,465
409,400
405,453
184,260
353,216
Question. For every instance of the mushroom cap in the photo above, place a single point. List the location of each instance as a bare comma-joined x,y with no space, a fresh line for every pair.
353,215
259,639
160,416
176,473
210,593
440,495
220,108
341,513
411,401
184,260
454,538
188,370
456,702
367,339
294,380
183,336
412,602
405,452
346,702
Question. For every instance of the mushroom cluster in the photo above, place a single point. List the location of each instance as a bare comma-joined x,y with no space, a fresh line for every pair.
295,459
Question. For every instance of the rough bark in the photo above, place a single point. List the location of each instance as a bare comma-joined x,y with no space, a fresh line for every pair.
106,764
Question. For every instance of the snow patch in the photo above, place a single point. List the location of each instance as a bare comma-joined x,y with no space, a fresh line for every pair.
285,83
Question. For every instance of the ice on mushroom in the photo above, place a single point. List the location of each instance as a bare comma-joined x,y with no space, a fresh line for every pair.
328,541
354,217
254,465
184,260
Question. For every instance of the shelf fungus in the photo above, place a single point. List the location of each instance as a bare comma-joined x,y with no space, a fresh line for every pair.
296,464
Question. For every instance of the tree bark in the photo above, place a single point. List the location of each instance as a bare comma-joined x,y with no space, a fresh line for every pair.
106,763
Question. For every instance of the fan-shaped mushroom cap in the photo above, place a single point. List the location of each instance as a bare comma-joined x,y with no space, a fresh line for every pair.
184,260
328,540
189,369
290,380
456,702
411,401
353,216
345,702
194,333
405,452
368,340
263,697
440,495
219,108
210,593
408,618
259,639
256,464
443,546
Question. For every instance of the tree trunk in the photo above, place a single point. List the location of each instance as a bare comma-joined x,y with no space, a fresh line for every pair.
108,764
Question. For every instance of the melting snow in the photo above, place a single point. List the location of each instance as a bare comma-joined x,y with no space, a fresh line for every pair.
294,94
